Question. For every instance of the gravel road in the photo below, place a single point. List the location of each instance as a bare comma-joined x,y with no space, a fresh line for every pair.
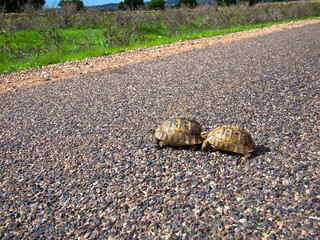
76,161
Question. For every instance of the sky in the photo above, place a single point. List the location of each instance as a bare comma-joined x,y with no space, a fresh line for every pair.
88,3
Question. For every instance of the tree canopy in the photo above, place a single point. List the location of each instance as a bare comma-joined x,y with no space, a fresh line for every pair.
230,2
131,4
77,3
187,3
17,5
156,5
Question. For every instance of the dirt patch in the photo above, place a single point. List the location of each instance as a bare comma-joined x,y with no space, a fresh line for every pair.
35,76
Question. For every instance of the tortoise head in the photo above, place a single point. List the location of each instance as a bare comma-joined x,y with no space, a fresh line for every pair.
204,135
152,131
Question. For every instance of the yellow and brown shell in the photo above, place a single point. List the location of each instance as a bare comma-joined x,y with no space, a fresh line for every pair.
179,131
231,138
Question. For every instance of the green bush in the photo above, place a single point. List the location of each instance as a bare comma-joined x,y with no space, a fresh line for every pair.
78,4
156,5
234,2
121,30
187,3
131,5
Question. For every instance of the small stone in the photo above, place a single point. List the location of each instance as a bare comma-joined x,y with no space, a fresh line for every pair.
87,235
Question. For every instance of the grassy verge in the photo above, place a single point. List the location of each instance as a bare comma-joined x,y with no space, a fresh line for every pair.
56,36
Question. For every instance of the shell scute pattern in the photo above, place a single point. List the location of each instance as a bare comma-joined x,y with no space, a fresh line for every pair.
231,138
179,131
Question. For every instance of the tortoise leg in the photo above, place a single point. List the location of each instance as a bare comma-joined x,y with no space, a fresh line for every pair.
246,156
205,146
156,143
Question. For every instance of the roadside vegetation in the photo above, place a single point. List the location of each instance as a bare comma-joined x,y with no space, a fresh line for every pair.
35,39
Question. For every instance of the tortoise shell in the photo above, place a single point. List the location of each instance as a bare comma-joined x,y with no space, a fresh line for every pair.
179,131
231,138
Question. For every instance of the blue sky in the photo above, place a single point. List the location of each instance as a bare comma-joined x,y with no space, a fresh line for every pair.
54,3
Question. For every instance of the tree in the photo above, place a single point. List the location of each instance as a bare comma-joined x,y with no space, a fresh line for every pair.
121,6
253,2
227,2
17,5
230,2
156,5
77,3
131,4
187,3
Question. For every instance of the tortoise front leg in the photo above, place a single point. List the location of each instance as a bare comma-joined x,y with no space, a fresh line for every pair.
156,143
246,156
205,145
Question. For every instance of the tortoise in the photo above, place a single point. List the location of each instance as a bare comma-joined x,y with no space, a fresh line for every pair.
178,131
230,138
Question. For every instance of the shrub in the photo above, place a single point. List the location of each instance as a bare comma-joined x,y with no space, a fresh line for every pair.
122,29
234,2
78,4
156,5
131,5
187,3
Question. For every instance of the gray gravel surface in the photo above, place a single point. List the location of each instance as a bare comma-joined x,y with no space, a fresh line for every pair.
76,160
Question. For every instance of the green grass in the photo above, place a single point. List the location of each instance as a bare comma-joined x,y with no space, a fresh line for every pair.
34,46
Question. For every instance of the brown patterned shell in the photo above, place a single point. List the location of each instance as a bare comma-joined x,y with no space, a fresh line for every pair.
231,138
179,131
